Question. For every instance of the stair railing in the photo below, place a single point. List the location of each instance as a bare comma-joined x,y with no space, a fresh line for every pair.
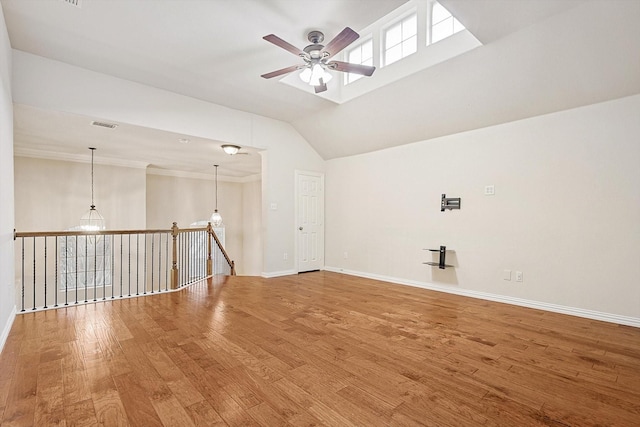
58,269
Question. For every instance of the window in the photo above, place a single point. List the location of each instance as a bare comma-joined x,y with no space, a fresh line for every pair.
361,54
443,24
400,40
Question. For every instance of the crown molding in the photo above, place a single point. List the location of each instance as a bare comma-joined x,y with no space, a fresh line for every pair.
204,176
77,158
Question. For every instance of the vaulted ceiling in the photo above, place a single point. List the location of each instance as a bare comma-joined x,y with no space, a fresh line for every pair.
537,57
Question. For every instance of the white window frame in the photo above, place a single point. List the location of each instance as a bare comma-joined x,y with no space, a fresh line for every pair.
430,23
351,77
411,14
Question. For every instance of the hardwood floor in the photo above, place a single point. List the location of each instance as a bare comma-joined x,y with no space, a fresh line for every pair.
316,349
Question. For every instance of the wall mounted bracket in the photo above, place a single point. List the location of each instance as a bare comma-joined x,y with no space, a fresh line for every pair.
441,258
449,203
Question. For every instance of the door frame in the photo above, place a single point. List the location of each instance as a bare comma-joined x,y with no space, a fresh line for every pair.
297,174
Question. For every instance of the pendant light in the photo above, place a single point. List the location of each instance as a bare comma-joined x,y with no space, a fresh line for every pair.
92,220
216,218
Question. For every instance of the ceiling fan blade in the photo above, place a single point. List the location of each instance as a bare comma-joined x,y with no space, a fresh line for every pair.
281,71
347,67
339,42
321,87
283,44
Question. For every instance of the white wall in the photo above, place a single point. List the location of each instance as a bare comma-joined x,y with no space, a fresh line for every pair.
48,84
287,152
52,195
187,200
251,229
7,306
566,210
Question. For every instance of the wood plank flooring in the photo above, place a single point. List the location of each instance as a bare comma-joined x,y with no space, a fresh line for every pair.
316,349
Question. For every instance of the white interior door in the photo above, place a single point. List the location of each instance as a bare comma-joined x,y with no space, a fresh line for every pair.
310,220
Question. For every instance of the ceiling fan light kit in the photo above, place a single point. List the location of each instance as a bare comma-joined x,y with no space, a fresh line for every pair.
315,70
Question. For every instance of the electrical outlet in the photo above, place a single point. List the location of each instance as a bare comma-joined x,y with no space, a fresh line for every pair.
285,256
506,275
519,277
489,190
346,255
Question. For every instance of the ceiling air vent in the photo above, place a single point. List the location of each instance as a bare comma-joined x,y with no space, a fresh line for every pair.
104,125
75,3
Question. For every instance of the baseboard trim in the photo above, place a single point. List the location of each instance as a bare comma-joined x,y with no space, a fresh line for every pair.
7,328
572,311
273,274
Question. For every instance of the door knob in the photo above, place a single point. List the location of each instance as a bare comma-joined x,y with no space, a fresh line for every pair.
300,228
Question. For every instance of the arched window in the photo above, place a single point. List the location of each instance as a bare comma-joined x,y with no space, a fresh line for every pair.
443,24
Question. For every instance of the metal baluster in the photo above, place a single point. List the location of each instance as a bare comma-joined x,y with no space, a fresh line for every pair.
34,273
145,265
95,267
187,249
76,271
112,241
66,270
121,265
153,236
166,265
22,280
137,263
129,264
159,260
55,295
184,257
104,267
203,257
86,266
45,272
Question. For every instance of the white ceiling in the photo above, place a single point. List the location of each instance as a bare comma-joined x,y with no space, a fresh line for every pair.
539,56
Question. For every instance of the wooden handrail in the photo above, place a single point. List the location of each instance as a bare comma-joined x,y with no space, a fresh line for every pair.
224,252
88,233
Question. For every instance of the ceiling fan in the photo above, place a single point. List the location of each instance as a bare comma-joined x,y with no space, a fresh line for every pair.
317,57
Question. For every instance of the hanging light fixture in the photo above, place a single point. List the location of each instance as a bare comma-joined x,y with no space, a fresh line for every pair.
216,218
231,149
92,220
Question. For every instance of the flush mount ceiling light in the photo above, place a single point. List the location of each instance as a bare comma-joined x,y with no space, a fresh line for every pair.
92,220
231,149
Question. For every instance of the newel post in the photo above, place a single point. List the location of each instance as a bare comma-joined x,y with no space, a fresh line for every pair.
174,265
209,257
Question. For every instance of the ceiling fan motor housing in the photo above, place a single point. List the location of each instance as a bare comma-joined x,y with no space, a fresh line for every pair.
315,36
314,50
